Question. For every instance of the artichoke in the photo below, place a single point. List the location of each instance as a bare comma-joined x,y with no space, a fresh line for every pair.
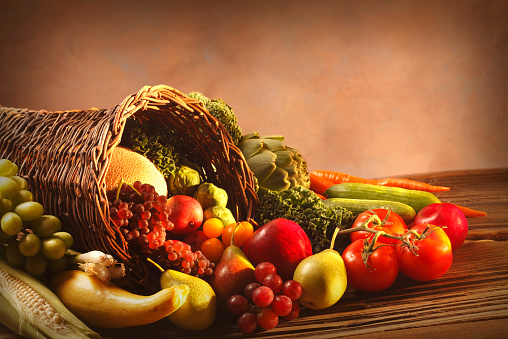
277,167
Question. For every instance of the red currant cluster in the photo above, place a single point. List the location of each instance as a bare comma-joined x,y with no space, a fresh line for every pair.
263,302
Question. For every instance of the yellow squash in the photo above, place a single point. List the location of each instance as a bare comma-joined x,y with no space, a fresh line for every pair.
106,305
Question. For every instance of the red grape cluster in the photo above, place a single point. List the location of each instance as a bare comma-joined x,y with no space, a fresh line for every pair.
141,214
263,302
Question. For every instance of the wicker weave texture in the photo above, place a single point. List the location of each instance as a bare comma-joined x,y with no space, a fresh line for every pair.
64,156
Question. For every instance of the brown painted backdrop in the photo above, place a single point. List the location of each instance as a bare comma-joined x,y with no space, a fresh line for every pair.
372,88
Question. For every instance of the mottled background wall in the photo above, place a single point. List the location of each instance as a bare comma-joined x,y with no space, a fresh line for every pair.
372,88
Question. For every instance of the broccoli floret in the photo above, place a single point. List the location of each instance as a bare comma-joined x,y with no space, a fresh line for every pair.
304,207
222,112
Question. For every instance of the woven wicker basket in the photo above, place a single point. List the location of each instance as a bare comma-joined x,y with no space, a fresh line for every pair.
65,156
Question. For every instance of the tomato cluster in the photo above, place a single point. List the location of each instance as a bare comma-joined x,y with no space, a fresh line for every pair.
213,237
374,258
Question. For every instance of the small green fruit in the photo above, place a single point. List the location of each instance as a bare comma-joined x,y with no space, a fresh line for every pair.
29,245
65,237
53,248
36,265
44,226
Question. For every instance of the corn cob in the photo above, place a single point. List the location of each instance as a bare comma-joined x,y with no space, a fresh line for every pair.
30,309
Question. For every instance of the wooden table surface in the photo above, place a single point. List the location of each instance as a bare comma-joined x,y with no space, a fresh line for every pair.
469,301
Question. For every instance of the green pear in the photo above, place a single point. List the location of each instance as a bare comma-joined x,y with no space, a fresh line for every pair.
233,272
198,312
323,278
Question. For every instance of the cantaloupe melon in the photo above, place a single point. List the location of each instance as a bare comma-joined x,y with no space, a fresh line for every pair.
131,166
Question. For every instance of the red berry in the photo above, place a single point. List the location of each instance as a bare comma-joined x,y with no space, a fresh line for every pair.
237,304
295,311
247,323
249,289
263,269
267,319
274,282
262,296
292,288
281,305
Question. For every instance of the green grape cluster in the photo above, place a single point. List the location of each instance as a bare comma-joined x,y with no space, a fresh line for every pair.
29,239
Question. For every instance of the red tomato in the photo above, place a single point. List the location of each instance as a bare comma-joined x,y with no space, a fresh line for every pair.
382,269
445,214
434,254
394,225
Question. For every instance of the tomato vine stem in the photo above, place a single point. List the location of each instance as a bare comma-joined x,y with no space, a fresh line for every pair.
405,240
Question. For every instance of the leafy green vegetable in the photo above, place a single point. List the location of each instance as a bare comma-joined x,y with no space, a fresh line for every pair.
222,112
304,207
155,142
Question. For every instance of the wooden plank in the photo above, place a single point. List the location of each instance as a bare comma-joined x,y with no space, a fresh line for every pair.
474,290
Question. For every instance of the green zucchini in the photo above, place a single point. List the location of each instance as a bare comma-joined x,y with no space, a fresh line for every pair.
416,199
357,206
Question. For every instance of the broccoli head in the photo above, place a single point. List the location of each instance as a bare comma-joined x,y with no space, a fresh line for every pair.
219,109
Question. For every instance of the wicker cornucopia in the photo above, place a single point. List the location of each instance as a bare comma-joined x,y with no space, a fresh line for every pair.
65,156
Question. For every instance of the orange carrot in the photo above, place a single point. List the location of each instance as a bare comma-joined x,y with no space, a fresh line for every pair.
319,185
469,212
339,178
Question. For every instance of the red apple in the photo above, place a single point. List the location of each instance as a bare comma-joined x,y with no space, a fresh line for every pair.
186,214
282,242
445,214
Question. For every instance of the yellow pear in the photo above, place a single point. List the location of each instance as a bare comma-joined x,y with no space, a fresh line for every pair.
199,310
323,278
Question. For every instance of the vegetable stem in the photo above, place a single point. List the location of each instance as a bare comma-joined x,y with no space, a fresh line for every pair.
155,264
365,228
370,247
119,188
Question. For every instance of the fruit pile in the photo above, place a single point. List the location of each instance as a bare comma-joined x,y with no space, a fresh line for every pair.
143,218
264,301
213,237
261,271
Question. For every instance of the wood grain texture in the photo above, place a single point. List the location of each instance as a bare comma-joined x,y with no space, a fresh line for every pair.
485,190
469,301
